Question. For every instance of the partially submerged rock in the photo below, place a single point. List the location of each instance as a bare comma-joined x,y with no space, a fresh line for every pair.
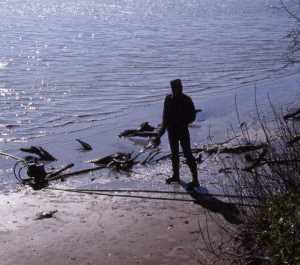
85,146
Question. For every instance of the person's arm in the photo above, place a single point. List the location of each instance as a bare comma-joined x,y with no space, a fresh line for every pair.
164,123
156,141
191,111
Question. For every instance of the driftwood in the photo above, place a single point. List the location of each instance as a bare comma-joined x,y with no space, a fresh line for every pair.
294,140
39,178
292,115
56,174
272,163
226,170
150,157
121,165
78,172
117,161
217,149
144,130
194,150
107,159
135,133
42,154
85,146
256,162
234,149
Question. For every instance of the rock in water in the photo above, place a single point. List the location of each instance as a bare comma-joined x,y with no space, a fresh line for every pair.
85,146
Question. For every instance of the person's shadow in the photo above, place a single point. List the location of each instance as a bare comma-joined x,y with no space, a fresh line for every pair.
201,195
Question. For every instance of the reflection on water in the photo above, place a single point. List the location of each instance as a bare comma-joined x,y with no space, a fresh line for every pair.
71,65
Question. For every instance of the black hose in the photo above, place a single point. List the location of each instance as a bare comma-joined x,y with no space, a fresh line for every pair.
18,175
120,195
101,192
168,192
19,161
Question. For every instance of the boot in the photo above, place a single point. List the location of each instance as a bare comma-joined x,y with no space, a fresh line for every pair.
174,178
175,166
194,171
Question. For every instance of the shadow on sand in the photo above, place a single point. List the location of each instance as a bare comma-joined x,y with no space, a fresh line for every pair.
229,211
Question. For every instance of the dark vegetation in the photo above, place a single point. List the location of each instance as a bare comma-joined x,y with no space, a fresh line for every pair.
292,8
270,232
270,173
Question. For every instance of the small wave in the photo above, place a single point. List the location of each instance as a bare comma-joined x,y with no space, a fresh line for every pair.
95,114
11,126
3,65
62,124
54,120
84,115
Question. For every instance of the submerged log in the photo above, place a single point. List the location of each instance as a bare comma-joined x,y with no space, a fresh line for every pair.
135,133
144,130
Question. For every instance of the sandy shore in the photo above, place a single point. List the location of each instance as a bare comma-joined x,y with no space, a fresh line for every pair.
90,229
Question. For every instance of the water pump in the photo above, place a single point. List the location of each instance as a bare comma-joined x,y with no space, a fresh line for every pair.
37,176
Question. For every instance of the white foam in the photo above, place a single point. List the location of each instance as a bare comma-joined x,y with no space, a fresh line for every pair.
3,65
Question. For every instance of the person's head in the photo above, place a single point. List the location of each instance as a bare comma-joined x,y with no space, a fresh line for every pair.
176,86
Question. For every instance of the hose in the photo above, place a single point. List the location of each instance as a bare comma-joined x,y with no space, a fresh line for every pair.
19,160
106,193
13,157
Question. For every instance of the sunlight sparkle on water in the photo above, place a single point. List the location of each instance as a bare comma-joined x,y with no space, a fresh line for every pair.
3,65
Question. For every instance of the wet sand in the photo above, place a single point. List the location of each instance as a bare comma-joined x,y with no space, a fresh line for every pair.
90,229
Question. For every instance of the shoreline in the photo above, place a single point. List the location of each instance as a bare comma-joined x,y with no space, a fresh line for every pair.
213,121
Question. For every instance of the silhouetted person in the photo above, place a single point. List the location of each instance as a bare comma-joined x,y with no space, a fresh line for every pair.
178,113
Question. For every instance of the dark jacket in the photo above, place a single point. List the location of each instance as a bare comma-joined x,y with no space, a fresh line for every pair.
178,112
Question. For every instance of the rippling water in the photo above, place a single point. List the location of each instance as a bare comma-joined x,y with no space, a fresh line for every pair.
68,66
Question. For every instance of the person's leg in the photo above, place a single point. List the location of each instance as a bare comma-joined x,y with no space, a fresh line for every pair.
191,161
174,146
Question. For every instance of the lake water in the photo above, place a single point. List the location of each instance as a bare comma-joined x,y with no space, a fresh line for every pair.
92,68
